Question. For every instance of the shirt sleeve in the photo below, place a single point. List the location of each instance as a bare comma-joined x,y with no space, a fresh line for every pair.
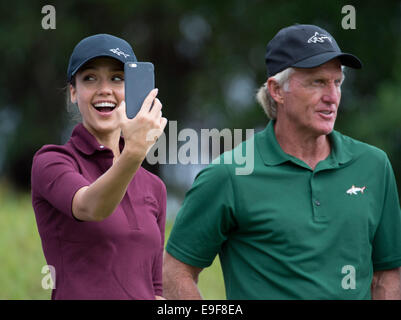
205,219
158,263
387,240
56,179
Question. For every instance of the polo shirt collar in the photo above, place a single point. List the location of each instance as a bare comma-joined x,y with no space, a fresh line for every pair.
270,150
273,155
341,149
85,142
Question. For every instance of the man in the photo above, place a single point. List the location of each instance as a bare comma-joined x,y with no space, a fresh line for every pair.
319,217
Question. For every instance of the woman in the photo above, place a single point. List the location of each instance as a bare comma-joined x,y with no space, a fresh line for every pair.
100,215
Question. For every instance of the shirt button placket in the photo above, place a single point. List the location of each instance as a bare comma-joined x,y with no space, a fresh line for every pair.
317,207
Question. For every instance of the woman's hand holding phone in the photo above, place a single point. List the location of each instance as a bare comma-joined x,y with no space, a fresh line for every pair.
142,132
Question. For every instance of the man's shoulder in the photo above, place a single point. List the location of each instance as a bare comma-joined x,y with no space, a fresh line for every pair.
239,160
360,149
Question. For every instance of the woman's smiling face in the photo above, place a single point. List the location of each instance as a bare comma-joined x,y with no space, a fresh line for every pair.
98,91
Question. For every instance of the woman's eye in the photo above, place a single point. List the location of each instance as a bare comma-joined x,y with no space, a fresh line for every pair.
89,78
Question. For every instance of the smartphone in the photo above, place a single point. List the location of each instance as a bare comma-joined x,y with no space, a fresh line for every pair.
139,80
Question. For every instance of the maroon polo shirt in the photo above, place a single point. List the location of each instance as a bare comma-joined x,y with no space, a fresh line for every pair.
117,258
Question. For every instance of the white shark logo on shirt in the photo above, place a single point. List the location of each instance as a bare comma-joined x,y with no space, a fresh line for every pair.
355,190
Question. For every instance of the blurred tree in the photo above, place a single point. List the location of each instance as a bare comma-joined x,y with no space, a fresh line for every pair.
209,60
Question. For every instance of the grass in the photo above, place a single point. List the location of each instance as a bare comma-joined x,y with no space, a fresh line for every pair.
20,250
22,256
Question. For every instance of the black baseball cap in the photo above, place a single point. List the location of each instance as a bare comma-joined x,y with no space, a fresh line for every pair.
99,45
304,46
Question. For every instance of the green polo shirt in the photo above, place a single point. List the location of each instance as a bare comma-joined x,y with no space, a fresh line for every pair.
288,232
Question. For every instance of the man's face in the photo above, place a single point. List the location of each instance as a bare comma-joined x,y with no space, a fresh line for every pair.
312,101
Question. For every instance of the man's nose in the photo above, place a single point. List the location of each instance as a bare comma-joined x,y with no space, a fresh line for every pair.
332,94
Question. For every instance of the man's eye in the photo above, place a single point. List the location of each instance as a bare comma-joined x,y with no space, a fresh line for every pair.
118,78
318,82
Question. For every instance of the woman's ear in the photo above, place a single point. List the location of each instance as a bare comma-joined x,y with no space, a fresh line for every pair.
73,94
276,91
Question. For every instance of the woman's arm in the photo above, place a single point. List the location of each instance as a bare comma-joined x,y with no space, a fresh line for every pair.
97,201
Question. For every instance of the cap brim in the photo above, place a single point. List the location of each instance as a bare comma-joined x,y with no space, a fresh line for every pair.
346,59
111,55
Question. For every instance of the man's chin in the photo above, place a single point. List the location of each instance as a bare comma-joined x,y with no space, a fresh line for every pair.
326,128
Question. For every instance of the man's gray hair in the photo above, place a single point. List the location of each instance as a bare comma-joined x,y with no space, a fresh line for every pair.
264,98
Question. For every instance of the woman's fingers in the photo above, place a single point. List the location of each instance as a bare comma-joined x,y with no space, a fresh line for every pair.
157,106
147,103
121,110
142,132
163,123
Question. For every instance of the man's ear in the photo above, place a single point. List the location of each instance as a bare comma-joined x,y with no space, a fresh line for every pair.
73,94
276,92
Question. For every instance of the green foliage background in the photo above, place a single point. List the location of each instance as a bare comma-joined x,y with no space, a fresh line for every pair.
209,60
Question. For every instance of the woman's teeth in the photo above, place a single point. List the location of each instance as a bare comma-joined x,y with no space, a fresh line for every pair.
104,106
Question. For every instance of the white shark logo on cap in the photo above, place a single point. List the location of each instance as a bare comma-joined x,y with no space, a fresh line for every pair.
318,37
118,52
